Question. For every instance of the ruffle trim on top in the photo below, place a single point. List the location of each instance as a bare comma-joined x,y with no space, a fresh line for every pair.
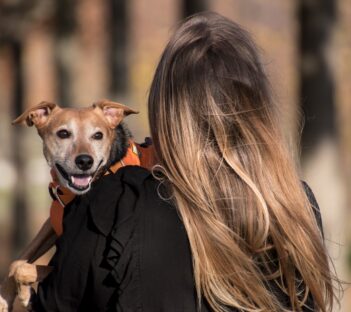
121,254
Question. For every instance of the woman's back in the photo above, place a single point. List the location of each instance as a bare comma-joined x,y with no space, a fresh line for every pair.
125,248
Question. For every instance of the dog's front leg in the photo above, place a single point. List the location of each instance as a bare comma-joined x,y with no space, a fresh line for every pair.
42,242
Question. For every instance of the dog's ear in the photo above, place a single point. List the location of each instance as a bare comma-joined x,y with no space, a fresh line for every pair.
114,112
37,115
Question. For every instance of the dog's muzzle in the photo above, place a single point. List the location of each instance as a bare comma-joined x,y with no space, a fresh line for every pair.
78,182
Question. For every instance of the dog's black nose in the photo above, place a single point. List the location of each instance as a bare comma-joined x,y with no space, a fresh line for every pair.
84,162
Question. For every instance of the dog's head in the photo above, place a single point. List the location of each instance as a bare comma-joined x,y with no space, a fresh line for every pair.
77,142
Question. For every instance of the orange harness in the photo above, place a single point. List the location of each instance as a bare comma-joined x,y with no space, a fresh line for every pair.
137,155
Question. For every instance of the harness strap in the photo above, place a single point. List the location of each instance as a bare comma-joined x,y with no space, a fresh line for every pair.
54,193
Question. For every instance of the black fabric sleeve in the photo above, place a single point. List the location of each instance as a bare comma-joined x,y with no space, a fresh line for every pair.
63,289
167,280
315,206
309,305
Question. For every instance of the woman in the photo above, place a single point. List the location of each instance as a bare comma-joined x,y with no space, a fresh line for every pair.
226,225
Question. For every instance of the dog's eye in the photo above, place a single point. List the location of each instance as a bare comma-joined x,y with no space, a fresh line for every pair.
97,136
63,134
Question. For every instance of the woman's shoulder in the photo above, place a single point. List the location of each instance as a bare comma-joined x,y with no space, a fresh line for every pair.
309,193
149,245
143,182
153,204
113,197
132,200
134,175
145,186
128,192
165,253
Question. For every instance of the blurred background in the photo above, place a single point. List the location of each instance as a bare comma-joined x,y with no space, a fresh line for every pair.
75,52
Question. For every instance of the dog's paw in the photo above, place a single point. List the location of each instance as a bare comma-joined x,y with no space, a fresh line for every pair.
14,265
25,274
24,296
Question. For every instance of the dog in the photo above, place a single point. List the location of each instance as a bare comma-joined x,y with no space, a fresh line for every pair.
80,145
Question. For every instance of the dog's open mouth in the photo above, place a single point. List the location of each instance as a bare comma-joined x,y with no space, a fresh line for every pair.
80,182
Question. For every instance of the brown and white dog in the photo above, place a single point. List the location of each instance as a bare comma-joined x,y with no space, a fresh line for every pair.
79,145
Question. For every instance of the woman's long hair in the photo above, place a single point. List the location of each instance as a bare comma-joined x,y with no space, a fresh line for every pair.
252,231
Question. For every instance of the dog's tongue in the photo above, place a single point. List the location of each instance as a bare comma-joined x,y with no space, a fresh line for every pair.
81,180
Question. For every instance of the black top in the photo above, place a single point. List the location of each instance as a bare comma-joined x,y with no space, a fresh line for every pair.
123,248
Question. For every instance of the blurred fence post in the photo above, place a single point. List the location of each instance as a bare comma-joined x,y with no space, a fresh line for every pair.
317,89
20,213
191,7
119,34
